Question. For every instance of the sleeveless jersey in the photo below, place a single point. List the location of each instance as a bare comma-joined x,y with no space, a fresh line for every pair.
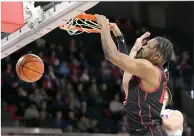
166,114
143,109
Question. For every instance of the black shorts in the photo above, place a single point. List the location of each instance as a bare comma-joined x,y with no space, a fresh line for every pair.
151,131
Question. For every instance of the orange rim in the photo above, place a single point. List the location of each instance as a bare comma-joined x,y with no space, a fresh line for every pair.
86,16
80,29
82,16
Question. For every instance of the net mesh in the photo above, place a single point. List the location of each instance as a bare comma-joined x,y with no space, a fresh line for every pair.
77,26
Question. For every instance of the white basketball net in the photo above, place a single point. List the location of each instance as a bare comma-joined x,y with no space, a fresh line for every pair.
77,26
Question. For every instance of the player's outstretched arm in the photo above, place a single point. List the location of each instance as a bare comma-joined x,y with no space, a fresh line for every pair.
139,67
174,122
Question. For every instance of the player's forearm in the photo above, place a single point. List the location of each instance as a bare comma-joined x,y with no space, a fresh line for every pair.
122,47
133,53
108,45
117,32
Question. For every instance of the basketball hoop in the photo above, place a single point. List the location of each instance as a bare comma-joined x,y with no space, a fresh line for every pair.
81,23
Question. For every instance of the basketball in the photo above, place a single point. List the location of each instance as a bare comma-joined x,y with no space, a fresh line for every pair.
30,68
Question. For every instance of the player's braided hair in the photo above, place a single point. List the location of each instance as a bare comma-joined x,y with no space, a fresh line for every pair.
169,96
165,47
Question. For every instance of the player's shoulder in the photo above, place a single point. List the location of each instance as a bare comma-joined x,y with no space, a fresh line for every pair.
171,112
146,65
167,111
178,113
144,62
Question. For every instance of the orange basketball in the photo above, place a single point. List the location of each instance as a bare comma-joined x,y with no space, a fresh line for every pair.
30,68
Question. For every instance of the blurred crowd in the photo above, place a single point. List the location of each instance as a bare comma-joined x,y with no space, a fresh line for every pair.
75,94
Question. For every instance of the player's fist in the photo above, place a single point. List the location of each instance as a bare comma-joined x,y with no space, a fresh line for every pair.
113,26
102,21
115,29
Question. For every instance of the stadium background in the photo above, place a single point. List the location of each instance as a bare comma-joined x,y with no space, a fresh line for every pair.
81,91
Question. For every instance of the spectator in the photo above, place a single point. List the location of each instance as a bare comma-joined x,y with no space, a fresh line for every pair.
72,50
83,110
115,73
84,124
186,69
94,124
72,101
187,130
81,92
21,92
45,121
105,71
60,52
43,106
64,70
115,105
94,94
48,82
58,103
37,96
85,77
53,59
69,129
20,110
123,122
74,67
123,130
44,94
72,120
83,60
31,116
59,122
5,115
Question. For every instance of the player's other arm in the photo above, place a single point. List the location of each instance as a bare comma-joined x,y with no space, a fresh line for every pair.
139,67
122,47
174,122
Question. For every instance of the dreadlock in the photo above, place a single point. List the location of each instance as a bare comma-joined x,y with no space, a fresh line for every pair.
166,49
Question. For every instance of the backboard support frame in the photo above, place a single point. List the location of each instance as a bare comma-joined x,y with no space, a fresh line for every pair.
52,19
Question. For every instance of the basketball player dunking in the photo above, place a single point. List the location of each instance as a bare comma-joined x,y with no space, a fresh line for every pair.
172,119
148,85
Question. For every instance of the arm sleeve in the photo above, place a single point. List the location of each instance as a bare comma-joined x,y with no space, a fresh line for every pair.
122,47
